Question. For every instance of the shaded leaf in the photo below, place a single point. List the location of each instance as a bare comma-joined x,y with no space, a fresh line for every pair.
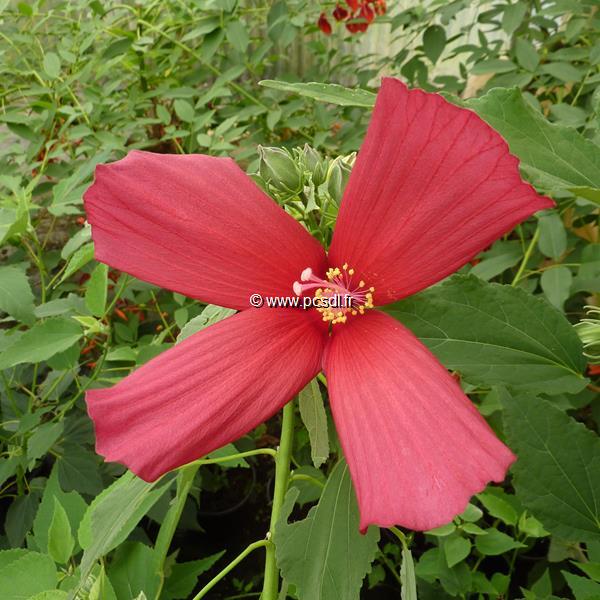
314,417
325,92
557,474
496,334
324,555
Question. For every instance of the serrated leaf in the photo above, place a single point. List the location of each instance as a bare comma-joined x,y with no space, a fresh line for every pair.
496,334
113,515
73,503
96,290
43,438
134,570
42,341
314,417
555,157
16,569
324,555
184,576
325,92
60,539
557,474
16,297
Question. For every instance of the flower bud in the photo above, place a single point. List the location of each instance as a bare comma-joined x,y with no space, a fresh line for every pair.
337,178
279,169
313,163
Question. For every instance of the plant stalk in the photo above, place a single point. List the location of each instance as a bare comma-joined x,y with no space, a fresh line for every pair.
282,476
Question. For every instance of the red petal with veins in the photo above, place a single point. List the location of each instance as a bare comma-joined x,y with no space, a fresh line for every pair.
432,186
206,391
417,448
197,225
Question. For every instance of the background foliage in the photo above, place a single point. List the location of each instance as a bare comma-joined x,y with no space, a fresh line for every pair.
82,83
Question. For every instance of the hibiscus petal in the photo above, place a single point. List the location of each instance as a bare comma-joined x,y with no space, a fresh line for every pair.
197,225
206,391
433,185
417,448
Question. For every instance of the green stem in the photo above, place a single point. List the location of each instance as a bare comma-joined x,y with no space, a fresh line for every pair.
527,256
238,559
282,475
185,479
221,459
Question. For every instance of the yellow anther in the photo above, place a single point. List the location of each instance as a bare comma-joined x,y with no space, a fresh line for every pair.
361,283
351,272
345,266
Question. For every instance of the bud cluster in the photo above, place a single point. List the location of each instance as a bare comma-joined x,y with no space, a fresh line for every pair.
308,185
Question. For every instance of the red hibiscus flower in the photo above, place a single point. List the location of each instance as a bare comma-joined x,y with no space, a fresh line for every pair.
432,186
324,24
340,13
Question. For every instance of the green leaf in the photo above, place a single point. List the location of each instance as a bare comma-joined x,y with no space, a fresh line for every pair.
591,569
72,502
526,54
60,539
16,297
407,576
51,65
589,193
237,35
582,588
557,474
499,508
456,549
102,588
495,542
43,340
96,290
553,236
112,516
184,110
324,555
494,65
81,257
134,570
556,283
495,334
563,71
24,573
554,157
325,92
19,517
434,41
210,315
43,438
513,16
184,576
314,417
